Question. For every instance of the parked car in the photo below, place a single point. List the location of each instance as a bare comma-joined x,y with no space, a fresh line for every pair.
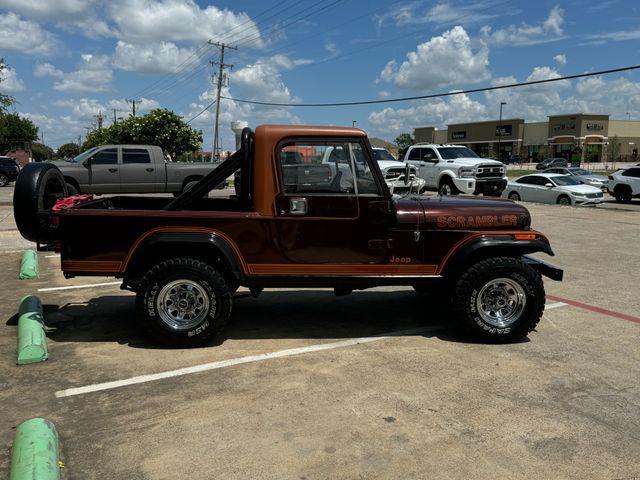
9,170
552,188
624,184
551,163
186,257
394,173
585,176
129,169
512,159
454,169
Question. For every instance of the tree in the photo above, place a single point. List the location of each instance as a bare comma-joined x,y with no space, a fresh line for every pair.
16,131
41,152
403,141
5,100
159,127
68,150
614,148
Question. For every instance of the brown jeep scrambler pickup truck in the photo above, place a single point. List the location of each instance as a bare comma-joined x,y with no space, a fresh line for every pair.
296,220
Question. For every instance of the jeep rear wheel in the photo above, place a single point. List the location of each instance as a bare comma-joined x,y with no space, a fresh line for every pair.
447,188
499,299
183,302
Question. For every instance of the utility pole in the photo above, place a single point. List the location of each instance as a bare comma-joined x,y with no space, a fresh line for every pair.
100,119
115,116
133,105
502,104
221,67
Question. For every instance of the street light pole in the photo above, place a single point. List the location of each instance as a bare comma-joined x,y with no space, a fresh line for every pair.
353,123
502,104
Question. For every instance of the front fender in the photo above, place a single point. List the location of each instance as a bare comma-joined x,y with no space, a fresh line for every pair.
484,245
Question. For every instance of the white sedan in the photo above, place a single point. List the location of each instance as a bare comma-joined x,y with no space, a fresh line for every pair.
552,188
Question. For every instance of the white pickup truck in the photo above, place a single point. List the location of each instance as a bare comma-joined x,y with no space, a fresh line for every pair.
454,169
129,169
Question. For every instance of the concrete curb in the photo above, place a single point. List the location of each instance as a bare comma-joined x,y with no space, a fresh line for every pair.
35,451
29,265
32,341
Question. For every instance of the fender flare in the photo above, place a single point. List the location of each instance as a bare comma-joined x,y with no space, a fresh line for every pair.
446,173
492,244
210,242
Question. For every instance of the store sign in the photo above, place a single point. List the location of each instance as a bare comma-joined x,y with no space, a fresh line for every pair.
564,126
458,135
595,126
504,130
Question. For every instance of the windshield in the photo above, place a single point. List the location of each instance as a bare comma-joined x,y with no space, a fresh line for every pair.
449,153
84,155
566,181
382,155
579,171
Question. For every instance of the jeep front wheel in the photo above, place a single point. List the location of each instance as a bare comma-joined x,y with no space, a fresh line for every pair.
499,299
183,302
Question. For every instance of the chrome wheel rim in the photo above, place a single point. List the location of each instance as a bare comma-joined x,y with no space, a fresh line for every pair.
445,189
183,304
3,180
514,197
565,201
501,302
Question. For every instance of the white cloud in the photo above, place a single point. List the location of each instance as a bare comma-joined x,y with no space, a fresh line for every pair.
9,81
454,109
560,59
24,36
93,75
47,70
162,57
443,13
549,30
618,36
48,9
442,61
141,21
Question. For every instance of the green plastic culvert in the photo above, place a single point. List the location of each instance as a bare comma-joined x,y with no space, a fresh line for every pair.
29,265
35,451
32,341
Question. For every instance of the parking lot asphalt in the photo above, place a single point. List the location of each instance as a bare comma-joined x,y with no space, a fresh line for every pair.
428,404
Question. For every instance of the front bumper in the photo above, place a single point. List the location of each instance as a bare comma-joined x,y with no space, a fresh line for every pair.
397,186
546,269
476,186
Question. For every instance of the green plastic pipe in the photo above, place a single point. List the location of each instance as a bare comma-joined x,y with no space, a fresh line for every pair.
35,451
29,265
32,341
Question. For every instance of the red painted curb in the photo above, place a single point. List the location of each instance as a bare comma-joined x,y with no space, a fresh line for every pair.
593,308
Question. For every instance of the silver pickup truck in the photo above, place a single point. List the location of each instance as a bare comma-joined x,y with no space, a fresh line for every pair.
129,169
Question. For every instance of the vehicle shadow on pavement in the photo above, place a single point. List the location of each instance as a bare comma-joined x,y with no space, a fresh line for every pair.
310,314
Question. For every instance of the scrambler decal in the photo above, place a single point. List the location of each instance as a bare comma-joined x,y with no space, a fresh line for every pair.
474,221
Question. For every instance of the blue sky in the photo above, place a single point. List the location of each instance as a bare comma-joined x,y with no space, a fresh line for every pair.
72,59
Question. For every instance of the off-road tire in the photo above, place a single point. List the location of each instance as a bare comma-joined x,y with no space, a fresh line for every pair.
515,196
38,187
564,200
447,183
622,193
72,190
469,285
4,180
192,269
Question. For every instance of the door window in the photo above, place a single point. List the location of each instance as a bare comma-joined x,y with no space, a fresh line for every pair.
632,172
135,155
429,155
108,156
311,167
415,154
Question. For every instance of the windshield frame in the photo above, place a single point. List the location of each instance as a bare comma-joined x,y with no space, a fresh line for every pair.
82,156
466,150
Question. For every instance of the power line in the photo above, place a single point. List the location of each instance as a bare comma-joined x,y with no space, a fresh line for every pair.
436,95
202,111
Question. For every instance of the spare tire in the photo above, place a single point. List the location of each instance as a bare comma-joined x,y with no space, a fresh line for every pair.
38,187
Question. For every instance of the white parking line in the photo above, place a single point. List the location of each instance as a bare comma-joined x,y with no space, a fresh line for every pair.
69,392
71,287
551,306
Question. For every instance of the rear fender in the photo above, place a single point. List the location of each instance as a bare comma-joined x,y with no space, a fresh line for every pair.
209,246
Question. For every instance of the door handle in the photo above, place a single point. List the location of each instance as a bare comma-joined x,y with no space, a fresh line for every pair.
113,170
149,169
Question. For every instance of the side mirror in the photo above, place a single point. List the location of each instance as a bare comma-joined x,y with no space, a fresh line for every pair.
407,172
86,162
548,185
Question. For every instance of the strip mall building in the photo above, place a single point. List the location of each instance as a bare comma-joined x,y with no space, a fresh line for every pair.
588,137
